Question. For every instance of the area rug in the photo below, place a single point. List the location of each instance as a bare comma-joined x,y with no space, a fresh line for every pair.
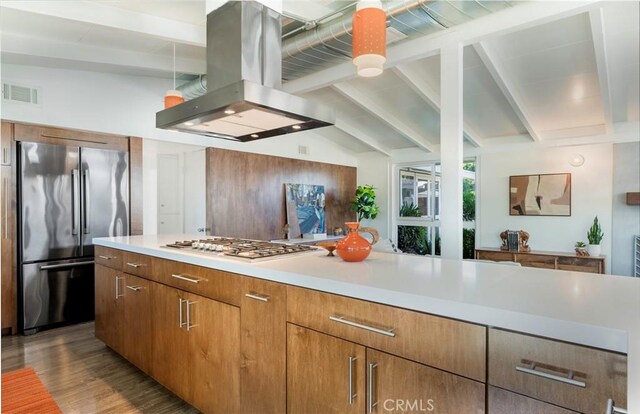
23,392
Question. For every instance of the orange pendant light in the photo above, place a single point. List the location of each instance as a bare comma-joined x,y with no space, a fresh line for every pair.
173,97
369,38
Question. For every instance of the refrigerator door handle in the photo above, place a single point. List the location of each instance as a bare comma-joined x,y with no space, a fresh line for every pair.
66,265
74,202
87,201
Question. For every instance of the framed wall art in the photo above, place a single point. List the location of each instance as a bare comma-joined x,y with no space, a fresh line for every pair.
540,195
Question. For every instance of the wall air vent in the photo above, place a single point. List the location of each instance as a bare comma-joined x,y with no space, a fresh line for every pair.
19,93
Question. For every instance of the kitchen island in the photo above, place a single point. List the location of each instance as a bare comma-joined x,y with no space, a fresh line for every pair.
420,303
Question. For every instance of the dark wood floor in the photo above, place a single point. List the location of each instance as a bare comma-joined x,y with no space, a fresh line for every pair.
84,376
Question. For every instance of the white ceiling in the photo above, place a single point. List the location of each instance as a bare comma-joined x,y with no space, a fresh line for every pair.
571,75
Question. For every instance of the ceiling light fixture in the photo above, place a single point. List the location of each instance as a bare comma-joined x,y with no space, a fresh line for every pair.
296,127
173,97
369,38
576,160
229,111
255,136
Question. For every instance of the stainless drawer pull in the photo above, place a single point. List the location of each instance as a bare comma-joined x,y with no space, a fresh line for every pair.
187,279
531,370
372,401
118,279
105,257
134,288
180,323
352,395
341,319
136,265
258,296
612,409
189,325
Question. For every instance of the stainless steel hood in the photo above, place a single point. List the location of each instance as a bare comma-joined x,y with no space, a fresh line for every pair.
244,72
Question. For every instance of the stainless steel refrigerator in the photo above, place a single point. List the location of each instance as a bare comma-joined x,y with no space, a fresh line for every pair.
68,196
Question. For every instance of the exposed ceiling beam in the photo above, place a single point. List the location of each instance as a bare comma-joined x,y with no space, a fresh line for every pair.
498,72
505,21
356,96
116,18
19,49
432,97
596,17
350,128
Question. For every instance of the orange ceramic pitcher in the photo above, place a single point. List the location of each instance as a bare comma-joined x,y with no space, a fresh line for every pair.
355,248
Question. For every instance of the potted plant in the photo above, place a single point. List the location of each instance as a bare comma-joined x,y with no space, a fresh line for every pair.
581,249
364,203
594,235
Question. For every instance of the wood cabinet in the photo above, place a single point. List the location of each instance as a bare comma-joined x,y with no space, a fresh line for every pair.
505,402
263,346
324,374
571,376
137,325
545,260
7,228
6,143
109,306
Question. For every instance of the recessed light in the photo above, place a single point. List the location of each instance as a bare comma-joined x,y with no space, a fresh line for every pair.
189,124
254,135
229,111
296,127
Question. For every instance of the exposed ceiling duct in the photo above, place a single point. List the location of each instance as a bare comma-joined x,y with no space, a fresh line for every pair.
323,43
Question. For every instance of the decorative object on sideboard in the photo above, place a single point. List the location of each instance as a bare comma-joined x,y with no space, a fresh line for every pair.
329,246
515,241
338,231
354,247
595,235
369,42
364,203
306,212
581,249
540,195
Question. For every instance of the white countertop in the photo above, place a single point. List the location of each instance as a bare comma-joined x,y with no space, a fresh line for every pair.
601,311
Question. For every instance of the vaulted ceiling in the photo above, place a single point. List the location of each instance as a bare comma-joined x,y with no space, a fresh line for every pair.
534,73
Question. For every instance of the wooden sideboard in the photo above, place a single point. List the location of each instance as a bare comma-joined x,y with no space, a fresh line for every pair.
544,260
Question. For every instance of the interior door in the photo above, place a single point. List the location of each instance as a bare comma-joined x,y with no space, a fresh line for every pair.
49,197
324,374
105,195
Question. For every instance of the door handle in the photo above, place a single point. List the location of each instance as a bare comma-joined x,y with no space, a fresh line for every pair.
531,370
189,326
74,202
257,296
64,265
118,279
187,279
341,319
612,409
5,187
180,323
87,201
134,288
352,395
372,400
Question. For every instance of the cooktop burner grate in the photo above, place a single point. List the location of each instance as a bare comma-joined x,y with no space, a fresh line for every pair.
241,248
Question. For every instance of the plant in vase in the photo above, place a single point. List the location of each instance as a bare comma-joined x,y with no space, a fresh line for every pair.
594,235
581,249
355,248
364,203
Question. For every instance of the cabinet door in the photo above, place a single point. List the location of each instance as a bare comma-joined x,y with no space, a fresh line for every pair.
109,306
505,402
137,328
399,385
6,143
9,308
263,346
324,374
170,340
213,331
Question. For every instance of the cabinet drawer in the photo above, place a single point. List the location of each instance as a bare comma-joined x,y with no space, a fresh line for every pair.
443,343
211,283
138,264
506,402
597,375
109,257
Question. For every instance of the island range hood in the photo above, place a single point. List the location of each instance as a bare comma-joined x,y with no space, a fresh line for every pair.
244,75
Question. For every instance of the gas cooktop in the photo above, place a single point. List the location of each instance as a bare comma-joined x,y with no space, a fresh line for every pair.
252,250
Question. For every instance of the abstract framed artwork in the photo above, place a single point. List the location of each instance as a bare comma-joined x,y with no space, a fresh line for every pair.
305,209
540,195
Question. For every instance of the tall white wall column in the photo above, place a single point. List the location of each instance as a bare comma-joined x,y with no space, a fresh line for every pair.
451,145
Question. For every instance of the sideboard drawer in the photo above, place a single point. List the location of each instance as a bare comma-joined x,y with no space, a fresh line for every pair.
442,343
138,264
109,257
506,402
571,376
211,283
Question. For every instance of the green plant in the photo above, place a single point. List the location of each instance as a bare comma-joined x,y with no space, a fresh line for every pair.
469,205
364,203
468,243
595,234
412,239
580,245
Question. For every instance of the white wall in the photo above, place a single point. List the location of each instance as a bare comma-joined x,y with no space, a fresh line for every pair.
590,196
127,105
375,169
626,218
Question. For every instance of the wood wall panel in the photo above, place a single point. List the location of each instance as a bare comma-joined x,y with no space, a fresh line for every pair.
135,185
245,192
